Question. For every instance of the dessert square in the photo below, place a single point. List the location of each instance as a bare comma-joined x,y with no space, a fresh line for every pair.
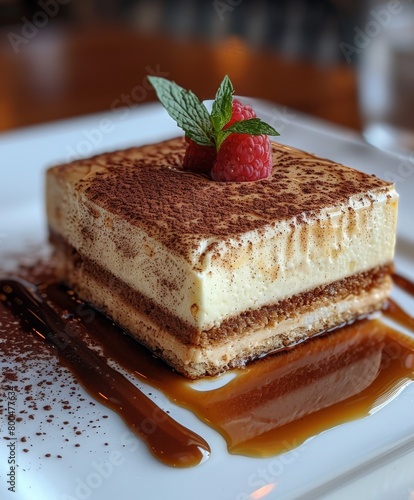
210,275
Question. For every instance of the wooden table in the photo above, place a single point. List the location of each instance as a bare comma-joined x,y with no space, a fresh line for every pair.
63,72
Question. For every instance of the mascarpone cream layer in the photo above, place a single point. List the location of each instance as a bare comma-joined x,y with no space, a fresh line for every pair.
226,276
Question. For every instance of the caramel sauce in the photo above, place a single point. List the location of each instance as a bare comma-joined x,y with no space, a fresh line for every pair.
329,380
270,406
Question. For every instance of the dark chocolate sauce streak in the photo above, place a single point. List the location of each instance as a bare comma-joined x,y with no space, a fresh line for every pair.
167,440
403,283
396,312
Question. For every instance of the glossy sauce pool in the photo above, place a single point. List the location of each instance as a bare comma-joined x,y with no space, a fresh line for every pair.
270,406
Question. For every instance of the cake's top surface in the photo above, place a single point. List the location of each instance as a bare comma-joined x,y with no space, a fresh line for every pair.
147,187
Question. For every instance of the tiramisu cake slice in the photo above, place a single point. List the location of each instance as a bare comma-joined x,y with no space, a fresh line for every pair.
211,274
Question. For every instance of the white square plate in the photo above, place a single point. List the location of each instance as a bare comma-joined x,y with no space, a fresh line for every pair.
366,458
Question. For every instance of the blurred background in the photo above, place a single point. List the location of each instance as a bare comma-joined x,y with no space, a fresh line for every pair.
62,58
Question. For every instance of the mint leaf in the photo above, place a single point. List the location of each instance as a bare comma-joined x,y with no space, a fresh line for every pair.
222,105
252,126
186,109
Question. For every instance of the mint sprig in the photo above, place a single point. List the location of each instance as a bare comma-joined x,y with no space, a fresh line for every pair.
192,116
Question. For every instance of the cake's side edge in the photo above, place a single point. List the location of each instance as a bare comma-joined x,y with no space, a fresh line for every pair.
197,354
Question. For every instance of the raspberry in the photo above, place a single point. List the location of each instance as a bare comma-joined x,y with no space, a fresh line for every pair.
198,159
243,157
239,112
